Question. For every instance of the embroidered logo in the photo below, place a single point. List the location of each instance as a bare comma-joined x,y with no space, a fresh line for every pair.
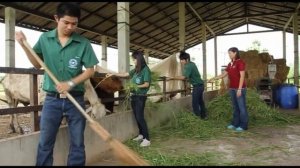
138,80
73,63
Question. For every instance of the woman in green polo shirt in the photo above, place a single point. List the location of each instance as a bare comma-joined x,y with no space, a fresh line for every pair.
191,73
141,77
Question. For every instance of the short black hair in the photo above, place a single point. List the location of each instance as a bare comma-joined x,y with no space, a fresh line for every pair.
183,55
235,50
69,9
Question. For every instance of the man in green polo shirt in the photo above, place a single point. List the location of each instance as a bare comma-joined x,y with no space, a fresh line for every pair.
191,73
65,53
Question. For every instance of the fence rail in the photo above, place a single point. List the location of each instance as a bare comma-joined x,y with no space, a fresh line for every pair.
34,107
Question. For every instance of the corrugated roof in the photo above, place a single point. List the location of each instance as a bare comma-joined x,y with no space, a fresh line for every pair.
154,25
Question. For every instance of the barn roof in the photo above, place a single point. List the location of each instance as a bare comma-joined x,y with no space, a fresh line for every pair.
154,25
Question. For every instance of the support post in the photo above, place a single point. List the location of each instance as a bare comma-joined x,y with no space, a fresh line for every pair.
104,51
10,21
203,29
181,6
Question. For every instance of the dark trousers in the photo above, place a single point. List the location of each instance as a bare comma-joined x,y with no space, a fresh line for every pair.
198,102
138,106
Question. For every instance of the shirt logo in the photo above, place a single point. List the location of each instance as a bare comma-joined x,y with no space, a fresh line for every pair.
73,63
138,80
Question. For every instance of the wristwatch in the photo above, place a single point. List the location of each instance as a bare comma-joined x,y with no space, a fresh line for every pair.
71,83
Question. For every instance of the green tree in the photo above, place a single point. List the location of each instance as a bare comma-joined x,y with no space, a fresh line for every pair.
256,45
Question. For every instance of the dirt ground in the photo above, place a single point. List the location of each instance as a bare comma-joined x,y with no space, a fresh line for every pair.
24,121
267,146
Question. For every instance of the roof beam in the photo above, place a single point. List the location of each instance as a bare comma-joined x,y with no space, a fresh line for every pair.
246,11
131,28
27,15
291,17
169,16
250,32
249,16
280,6
199,17
263,8
93,12
92,30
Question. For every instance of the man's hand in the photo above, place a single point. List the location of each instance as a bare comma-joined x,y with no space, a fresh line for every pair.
62,87
20,37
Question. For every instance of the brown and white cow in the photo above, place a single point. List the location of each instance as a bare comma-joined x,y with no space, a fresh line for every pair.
105,87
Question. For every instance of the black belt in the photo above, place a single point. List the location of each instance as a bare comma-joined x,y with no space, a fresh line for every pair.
135,94
59,95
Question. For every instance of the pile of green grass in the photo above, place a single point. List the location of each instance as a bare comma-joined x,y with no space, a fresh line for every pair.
260,114
186,125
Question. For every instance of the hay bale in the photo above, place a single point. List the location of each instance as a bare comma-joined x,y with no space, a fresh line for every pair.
255,73
280,61
282,72
265,57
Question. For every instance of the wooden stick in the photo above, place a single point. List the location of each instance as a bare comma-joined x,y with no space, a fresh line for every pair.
120,150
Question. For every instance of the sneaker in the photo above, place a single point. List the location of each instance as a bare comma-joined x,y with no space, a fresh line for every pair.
139,137
239,129
231,127
204,118
145,142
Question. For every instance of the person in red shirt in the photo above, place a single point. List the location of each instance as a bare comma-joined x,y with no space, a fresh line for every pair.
237,90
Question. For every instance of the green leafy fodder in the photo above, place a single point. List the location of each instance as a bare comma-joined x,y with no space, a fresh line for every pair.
131,87
260,114
158,157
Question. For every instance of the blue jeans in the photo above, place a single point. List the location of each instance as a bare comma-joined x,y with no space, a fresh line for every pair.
138,106
51,117
240,114
198,102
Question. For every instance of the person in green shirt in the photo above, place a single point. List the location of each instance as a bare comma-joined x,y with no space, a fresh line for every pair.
191,73
141,78
65,53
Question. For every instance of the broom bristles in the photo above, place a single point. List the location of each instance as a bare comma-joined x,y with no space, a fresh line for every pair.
126,155
122,152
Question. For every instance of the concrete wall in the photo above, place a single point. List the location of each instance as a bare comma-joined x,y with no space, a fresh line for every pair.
21,150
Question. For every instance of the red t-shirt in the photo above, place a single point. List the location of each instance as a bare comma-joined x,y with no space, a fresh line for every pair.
233,69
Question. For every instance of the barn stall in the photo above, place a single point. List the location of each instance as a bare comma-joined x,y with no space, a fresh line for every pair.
161,46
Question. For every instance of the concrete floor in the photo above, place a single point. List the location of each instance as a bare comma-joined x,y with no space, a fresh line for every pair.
108,159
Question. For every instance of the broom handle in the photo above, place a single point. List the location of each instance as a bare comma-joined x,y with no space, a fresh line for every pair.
103,133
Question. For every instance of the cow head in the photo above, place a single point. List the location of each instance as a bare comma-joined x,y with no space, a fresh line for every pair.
109,84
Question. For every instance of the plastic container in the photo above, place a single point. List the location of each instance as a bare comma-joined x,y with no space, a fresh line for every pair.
288,96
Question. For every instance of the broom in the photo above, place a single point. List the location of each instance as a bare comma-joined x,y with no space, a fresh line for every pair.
126,155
